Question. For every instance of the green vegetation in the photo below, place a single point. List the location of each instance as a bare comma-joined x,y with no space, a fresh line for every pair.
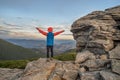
66,56
13,64
21,64
10,51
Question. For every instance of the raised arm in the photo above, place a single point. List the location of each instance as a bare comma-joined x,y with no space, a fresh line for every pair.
41,31
56,33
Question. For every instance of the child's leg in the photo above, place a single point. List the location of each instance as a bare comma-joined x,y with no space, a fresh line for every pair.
51,51
47,51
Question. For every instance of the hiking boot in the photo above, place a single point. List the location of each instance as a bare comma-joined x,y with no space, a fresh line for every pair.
51,59
48,60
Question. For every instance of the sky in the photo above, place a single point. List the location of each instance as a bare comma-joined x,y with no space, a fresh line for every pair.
18,18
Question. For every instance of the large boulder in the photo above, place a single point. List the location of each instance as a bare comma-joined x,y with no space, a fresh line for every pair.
109,76
96,65
115,13
99,30
115,56
114,53
67,70
90,76
10,74
38,70
50,70
70,75
116,66
98,35
83,56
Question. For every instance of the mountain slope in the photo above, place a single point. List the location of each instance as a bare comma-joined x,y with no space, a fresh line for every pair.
10,51
66,56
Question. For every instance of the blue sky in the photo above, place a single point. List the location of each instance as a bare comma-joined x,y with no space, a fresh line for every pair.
22,16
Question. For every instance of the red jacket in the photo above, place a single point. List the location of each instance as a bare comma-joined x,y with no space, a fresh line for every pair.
50,29
50,35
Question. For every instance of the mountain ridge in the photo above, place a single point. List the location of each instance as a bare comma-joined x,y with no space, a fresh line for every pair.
10,51
60,46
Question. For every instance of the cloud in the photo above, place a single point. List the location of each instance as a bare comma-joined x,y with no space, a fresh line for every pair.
67,34
1,26
64,37
19,17
27,29
27,35
4,32
13,25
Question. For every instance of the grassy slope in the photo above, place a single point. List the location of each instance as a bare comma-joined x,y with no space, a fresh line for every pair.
68,55
10,51
21,64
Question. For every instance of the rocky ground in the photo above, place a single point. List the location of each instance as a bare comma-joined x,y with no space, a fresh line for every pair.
87,66
10,74
97,38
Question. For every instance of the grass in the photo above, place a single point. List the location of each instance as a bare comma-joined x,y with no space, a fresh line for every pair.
67,56
20,64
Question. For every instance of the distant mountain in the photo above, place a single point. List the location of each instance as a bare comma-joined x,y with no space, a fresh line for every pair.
9,51
28,43
60,46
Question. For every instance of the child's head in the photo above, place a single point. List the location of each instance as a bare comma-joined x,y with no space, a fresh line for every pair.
50,29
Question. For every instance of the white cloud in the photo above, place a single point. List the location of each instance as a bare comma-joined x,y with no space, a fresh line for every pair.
28,30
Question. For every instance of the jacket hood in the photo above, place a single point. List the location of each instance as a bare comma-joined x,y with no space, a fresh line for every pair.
50,29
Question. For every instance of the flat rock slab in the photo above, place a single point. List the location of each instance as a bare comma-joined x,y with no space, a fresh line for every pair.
9,74
116,66
115,53
90,76
109,76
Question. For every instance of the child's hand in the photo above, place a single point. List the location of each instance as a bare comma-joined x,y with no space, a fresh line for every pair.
37,28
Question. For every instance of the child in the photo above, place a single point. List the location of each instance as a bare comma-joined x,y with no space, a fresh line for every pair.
50,39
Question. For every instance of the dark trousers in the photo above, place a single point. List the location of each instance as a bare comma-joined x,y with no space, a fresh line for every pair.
49,50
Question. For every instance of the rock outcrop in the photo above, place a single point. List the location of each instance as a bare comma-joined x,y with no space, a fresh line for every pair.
10,74
99,33
42,69
100,30
89,69
115,57
50,70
